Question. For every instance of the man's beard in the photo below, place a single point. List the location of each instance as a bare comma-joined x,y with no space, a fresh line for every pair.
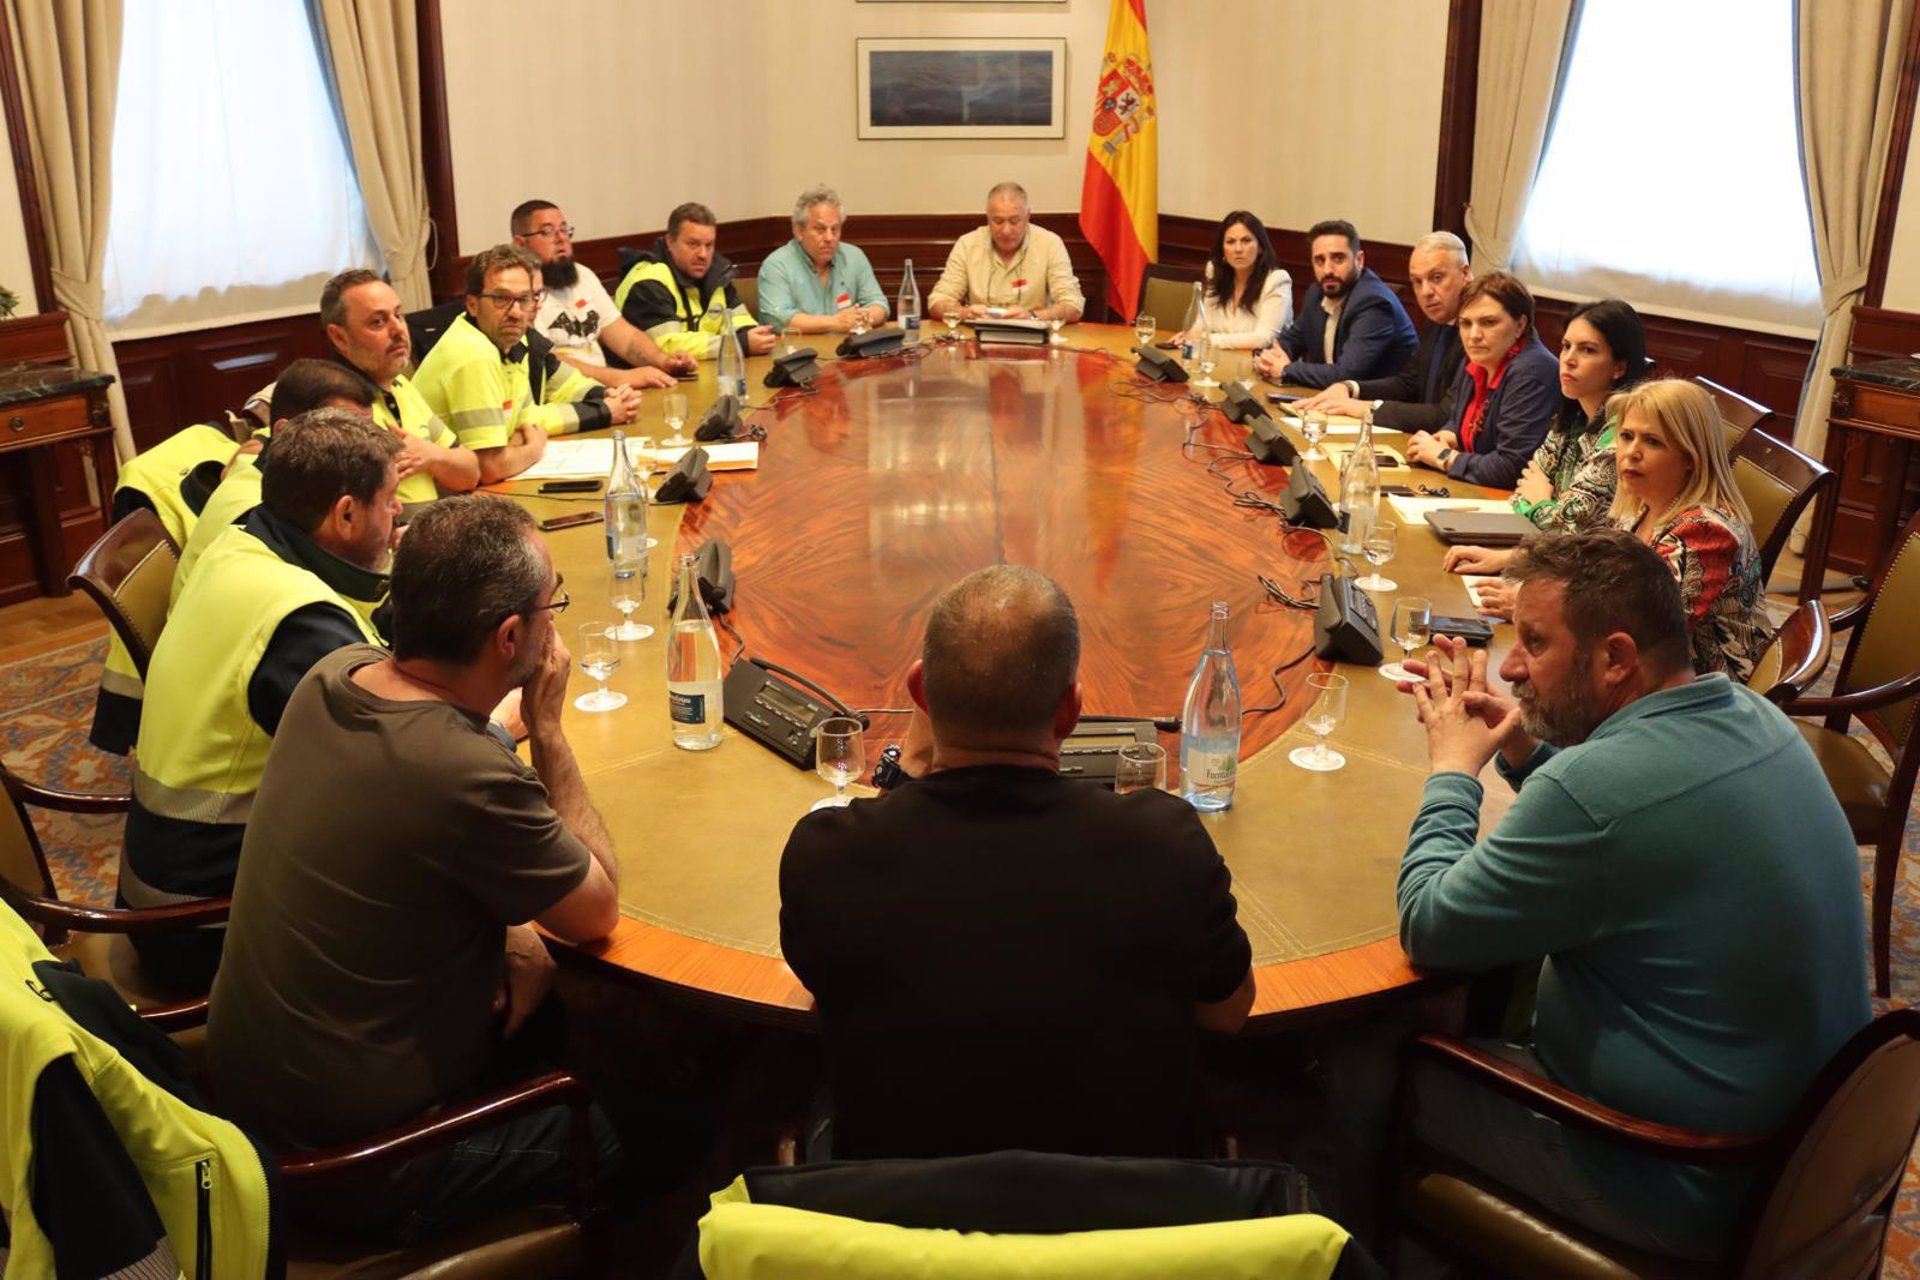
1565,721
561,273
1334,287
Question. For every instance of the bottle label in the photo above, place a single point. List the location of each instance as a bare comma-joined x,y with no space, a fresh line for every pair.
1212,768
910,323
688,708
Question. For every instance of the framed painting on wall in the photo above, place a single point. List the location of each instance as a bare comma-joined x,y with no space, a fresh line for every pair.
961,88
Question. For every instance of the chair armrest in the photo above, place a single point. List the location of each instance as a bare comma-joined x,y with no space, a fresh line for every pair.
1548,1099
1857,701
79,918
169,1018
64,801
430,1132
1848,617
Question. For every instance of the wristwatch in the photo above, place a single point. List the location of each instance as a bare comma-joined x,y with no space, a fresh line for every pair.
1446,458
888,774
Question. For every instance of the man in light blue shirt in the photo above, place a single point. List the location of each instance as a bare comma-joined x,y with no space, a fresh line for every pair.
815,283
1678,859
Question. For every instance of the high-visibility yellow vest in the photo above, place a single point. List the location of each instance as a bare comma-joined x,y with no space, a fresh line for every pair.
200,752
237,494
203,1175
693,331
157,474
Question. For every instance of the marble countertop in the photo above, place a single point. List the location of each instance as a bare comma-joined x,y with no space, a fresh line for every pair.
29,382
1902,372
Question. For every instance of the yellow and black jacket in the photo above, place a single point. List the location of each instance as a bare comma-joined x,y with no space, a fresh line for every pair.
486,394
672,308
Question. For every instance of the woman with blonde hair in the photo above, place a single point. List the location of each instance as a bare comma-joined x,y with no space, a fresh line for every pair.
1677,494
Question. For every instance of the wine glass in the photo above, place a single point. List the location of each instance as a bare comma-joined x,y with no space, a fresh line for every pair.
789,340
1383,538
627,592
1057,324
1412,618
1144,327
642,456
1329,690
952,321
1313,425
859,325
1142,767
1206,357
839,756
673,410
599,657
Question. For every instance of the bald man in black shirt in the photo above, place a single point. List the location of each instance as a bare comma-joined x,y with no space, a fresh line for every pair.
1003,957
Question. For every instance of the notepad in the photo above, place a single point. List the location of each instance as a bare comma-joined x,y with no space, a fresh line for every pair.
593,456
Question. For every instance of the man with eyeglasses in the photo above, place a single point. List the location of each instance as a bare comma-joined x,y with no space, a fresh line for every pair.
501,388
577,314
383,960
670,293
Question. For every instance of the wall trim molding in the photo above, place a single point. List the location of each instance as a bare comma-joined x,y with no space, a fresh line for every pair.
1887,213
13,101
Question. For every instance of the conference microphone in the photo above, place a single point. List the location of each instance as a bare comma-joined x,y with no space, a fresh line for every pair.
1158,366
1304,502
1268,444
872,344
1241,404
797,368
689,480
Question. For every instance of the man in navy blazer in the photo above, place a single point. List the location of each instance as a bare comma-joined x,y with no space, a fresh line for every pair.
1372,336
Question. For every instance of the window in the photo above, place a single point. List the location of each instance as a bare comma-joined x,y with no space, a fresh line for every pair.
233,192
1672,174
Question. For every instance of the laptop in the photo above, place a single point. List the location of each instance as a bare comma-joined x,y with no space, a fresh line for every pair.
1481,528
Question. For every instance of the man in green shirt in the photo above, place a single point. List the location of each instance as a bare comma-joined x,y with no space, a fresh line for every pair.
502,390
816,282
1678,859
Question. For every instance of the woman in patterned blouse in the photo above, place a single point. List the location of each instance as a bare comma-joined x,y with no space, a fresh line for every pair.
1569,484
1677,494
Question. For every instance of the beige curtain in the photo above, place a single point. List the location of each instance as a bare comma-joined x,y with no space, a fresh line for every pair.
1522,49
69,64
373,50
1849,64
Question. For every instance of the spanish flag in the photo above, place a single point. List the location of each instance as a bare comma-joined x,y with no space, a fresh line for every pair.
1120,195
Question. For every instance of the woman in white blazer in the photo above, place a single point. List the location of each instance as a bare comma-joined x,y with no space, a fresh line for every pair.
1248,298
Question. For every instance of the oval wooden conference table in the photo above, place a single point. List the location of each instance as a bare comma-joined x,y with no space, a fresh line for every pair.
893,479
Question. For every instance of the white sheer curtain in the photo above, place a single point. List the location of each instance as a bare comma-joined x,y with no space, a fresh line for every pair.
234,196
1671,176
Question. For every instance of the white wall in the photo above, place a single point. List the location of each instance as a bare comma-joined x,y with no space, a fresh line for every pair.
16,268
1258,110
1903,266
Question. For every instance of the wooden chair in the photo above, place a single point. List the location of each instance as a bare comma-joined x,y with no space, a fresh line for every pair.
1778,482
96,937
128,572
1826,1186
1795,657
1739,414
748,287
1878,683
1165,293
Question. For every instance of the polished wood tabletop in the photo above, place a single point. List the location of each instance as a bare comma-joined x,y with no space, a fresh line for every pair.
891,479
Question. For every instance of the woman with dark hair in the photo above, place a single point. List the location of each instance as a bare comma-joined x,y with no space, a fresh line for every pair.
1507,393
1569,484
1248,297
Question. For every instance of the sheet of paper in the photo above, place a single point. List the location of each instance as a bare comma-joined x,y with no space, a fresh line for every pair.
1474,582
743,455
1414,510
572,458
1338,424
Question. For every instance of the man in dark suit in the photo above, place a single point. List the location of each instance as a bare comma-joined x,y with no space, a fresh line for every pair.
1420,396
1351,324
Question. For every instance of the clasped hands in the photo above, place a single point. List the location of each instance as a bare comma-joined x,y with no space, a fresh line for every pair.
1467,722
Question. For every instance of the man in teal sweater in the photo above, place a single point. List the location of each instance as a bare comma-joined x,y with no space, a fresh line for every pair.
1677,857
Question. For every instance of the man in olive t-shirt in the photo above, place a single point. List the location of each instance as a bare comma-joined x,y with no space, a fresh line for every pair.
379,962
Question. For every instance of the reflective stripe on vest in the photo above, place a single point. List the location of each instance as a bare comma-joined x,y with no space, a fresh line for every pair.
201,753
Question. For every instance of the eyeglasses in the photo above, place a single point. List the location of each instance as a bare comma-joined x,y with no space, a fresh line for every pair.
565,229
508,301
558,604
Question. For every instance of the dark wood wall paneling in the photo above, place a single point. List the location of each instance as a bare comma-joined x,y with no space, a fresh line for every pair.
40,339
1878,334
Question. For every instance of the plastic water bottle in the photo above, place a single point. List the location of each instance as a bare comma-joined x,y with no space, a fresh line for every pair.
693,668
1195,321
732,373
626,508
1359,491
910,306
1210,724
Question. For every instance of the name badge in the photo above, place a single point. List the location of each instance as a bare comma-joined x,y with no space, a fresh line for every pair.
842,302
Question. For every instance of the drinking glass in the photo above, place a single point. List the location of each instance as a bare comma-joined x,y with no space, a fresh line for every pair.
1206,357
627,592
599,657
839,756
1329,690
1383,537
860,325
673,409
1142,767
952,319
643,460
1313,425
1057,325
1411,623
1144,327
789,340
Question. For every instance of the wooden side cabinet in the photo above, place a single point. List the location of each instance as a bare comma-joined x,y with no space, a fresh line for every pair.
41,407
1871,436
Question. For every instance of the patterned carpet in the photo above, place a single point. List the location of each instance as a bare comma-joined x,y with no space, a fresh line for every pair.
46,704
